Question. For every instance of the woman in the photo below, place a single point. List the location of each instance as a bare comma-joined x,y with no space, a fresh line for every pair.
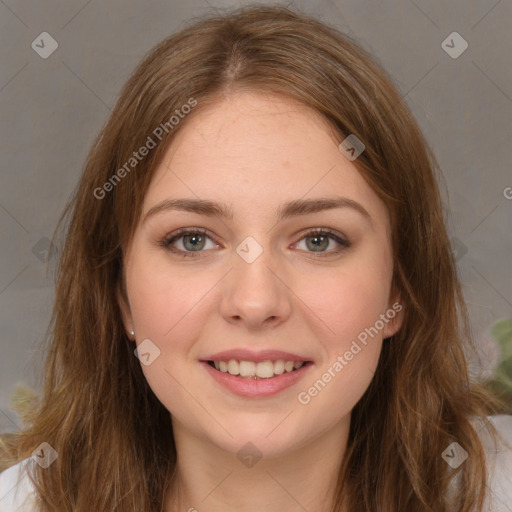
257,305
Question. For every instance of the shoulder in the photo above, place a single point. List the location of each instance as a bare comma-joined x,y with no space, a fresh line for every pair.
499,458
17,493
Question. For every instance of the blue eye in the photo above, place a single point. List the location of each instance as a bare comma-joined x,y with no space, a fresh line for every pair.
194,240
321,238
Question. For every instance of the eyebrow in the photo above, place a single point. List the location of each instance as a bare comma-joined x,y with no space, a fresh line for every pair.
287,210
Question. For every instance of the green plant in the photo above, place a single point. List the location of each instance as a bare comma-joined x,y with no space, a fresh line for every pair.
501,383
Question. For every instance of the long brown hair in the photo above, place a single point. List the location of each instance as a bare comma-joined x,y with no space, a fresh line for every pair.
113,437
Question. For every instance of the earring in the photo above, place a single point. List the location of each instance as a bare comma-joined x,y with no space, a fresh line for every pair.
132,333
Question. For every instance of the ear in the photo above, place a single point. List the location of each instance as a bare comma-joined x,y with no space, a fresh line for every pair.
395,315
126,314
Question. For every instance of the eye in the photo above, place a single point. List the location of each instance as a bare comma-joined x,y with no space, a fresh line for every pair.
192,240
319,240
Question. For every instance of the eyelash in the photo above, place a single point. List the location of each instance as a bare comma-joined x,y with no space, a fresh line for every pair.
166,243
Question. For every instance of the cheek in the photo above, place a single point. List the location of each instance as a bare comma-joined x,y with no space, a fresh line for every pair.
350,298
163,300
334,390
351,335
353,298
167,307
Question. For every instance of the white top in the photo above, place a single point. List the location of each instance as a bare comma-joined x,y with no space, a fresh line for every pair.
17,493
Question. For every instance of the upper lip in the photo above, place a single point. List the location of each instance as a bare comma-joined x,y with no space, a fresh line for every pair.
242,354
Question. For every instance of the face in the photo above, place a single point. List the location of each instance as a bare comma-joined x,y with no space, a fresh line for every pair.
270,284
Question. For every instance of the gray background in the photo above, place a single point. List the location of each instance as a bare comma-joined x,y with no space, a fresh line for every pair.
50,110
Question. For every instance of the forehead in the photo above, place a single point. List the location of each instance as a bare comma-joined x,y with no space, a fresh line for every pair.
255,151
269,124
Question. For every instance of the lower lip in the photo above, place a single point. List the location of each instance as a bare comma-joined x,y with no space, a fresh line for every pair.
256,388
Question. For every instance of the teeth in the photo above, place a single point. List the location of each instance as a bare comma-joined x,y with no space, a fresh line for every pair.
247,369
262,370
279,367
265,369
233,367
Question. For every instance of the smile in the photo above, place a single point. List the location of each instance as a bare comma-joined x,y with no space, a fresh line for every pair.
256,370
257,380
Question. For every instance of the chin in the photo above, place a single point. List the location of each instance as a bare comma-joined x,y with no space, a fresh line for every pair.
272,438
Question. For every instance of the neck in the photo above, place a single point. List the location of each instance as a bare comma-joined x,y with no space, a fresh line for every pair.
209,478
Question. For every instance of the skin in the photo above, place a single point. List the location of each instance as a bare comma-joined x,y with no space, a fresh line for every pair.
255,152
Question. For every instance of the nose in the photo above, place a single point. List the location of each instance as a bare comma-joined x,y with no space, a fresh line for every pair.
255,294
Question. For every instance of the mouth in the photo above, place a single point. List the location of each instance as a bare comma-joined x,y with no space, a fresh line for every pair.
262,370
